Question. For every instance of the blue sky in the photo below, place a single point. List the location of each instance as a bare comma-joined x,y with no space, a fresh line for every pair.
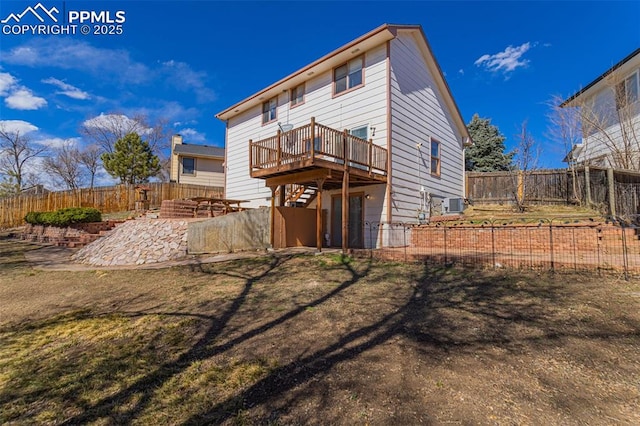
184,61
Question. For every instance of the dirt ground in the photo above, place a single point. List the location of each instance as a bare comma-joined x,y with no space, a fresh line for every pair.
303,339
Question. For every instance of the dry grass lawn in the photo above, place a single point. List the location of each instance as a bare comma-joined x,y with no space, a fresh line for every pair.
315,340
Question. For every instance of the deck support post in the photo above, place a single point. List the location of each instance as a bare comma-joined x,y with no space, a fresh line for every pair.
320,184
345,212
345,193
273,216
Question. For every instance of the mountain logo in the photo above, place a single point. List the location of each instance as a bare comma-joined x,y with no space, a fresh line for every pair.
38,11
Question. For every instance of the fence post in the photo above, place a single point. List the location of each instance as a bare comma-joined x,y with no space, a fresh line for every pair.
493,245
625,260
587,185
520,187
404,236
551,245
612,195
371,244
444,227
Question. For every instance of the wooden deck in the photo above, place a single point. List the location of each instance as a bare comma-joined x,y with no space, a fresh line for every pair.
292,152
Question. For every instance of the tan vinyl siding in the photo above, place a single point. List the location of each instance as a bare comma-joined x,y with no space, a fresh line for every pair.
208,172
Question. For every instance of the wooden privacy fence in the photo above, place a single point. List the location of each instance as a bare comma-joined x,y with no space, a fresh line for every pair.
615,192
108,199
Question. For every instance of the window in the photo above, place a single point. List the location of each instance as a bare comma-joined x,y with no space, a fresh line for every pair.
297,95
188,166
435,157
269,110
360,132
627,91
348,76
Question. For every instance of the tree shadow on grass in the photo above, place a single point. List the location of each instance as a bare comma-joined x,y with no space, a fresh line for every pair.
437,312
203,349
442,315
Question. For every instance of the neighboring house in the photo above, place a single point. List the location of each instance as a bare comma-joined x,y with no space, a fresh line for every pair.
367,134
196,164
609,109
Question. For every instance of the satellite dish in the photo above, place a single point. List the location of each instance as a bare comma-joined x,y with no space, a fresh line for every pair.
285,127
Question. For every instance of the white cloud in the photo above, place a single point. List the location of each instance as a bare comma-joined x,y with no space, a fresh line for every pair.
18,96
183,77
57,142
7,81
184,123
67,89
461,71
21,126
169,110
506,61
192,135
24,99
119,122
67,53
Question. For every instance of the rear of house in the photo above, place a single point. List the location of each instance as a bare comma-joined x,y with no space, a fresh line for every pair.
370,127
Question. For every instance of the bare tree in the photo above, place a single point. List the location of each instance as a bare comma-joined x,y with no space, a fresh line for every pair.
16,152
89,157
64,165
611,123
105,129
525,161
564,129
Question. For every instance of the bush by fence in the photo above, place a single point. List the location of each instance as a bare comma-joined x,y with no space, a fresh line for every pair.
106,199
614,192
545,244
64,217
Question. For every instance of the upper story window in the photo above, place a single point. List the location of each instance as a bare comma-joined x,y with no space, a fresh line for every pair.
360,132
435,157
297,95
348,76
627,91
188,166
269,110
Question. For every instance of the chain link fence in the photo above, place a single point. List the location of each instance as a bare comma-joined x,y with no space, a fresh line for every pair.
555,244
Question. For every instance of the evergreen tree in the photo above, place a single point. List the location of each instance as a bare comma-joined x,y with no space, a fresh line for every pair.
487,152
132,160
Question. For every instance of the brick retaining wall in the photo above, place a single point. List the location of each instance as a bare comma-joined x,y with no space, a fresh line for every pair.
529,237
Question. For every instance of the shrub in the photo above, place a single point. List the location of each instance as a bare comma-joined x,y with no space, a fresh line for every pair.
64,217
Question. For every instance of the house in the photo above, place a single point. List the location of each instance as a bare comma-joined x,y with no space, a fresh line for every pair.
367,135
609,111
196,164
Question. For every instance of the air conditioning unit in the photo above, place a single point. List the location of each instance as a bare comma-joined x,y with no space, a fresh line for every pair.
452,205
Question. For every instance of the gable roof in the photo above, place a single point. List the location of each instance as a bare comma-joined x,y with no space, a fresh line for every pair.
199,150
589,86
363,43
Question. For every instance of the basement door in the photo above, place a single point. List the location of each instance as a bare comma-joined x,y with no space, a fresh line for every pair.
356,220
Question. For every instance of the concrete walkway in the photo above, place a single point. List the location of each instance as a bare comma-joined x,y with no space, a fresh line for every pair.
51,258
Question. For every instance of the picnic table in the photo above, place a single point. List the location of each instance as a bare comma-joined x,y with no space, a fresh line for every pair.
216,206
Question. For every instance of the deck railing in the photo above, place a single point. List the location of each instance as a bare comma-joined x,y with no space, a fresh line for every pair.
329,144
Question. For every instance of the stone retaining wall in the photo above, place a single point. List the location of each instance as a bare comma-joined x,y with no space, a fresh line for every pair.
138,242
